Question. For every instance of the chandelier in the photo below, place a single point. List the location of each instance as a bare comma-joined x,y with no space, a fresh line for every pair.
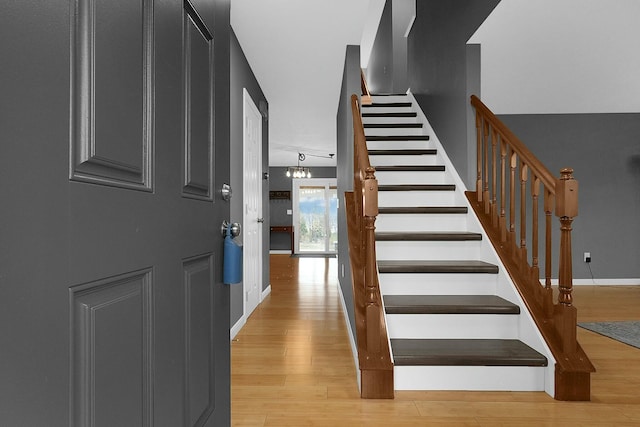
299,171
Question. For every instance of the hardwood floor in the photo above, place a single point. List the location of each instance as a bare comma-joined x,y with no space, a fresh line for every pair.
292,366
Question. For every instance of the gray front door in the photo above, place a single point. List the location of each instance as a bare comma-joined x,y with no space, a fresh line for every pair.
112,310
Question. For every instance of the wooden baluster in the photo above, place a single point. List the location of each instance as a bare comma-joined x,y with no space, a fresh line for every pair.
566,210
494,178
502,223
524,174
373,308
512,201
535,193
548,211
479,156
485,194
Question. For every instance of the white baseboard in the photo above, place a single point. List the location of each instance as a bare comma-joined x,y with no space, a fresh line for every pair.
352,340
236,328
265,293
599,282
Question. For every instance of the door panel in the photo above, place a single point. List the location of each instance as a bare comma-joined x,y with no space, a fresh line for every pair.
111,298
112,370
112,89
199,319
198,89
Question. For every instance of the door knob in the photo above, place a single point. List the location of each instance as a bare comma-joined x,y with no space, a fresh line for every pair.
236,229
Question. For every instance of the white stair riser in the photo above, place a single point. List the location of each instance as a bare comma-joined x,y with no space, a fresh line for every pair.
487,378
398,97
421,222
452,326
437,284
388,160
432,250
411,177
394,132
417,198
400,145
376,120
387,109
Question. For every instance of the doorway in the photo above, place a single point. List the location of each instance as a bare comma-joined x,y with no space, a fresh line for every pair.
315,215
252,205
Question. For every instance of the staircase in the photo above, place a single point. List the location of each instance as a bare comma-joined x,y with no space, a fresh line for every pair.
454,318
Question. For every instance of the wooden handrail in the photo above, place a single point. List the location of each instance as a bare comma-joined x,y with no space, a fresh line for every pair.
365,98
507,171
374,355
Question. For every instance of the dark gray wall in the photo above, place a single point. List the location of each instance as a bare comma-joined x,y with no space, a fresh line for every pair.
604,151
350,85
380,67
278,181
437,68
242,77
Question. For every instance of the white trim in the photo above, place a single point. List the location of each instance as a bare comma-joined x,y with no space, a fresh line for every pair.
410,25
280,251
236,328
249,107
599,282
265,293
352,340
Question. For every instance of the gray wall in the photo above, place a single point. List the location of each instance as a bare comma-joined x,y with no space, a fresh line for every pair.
242,77
350,85
380,67
278,181
437,68
387,68
604,151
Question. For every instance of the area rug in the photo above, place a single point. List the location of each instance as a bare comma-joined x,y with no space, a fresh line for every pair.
626,332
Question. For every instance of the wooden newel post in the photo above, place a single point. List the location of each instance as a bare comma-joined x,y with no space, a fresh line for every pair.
566,210
372,308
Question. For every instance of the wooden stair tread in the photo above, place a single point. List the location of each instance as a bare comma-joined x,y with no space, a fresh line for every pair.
427,236
424,210
417,187
387,104
439,266
448,304
393,125
389,114
411,168
410,152
397,137
464,352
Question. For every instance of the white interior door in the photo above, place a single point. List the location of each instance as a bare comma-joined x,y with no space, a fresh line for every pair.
252,200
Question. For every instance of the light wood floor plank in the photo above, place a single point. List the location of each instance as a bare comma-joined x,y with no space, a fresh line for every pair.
292,366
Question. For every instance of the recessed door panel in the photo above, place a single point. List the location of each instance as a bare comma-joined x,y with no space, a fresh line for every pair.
199,363
198,107
111,100
111,361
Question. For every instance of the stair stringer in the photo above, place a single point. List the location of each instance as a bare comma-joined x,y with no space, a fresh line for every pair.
505,288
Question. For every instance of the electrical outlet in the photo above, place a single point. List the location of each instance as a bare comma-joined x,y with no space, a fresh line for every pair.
587,257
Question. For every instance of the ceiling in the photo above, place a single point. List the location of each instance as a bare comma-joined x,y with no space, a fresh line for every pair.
296,50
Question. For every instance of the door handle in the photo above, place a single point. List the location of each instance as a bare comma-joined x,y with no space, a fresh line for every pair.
236,229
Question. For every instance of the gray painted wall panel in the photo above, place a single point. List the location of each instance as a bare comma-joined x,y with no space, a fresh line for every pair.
380,67
437,68
350,85
242,77
604,151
